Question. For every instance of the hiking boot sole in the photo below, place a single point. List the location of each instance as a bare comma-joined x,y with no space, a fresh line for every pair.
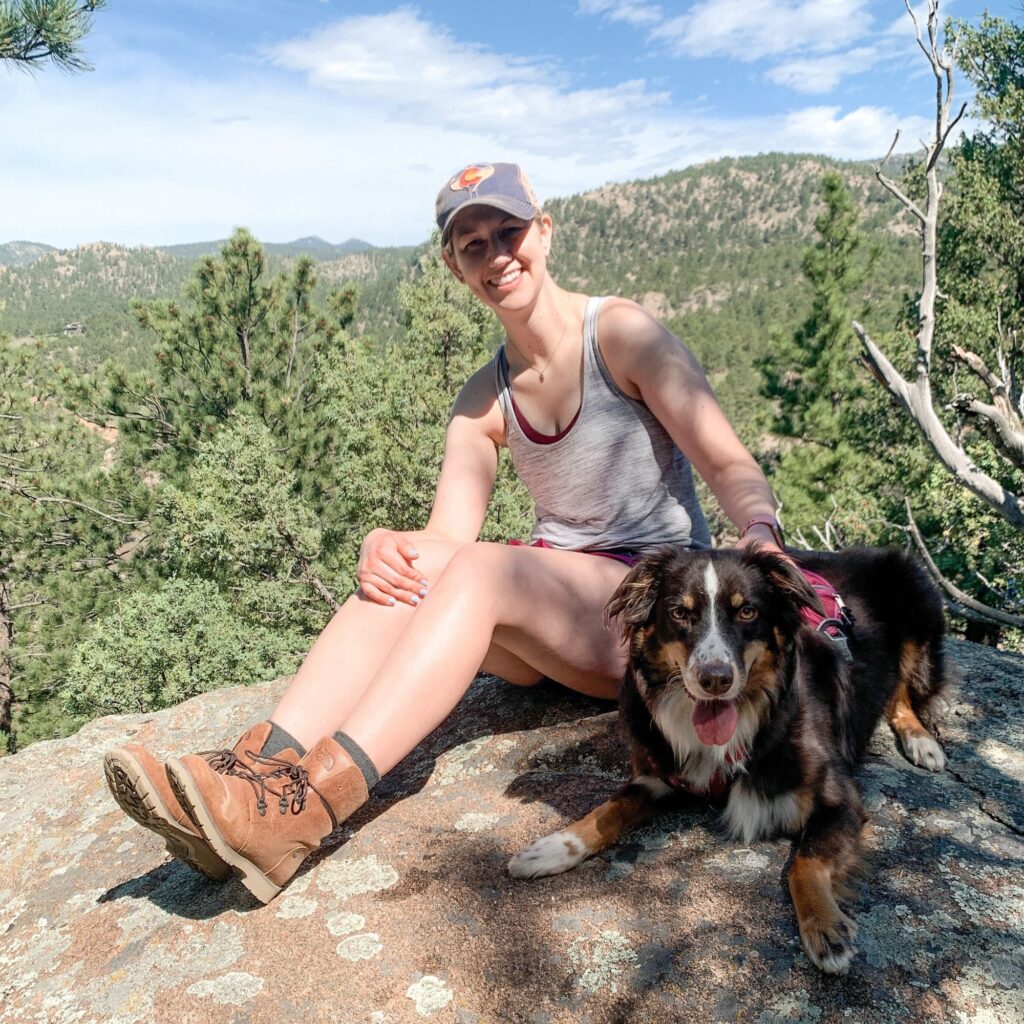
136,796
191,799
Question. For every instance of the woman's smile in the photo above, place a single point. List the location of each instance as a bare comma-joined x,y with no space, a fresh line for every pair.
506,278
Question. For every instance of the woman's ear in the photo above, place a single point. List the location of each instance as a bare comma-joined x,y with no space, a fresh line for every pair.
449,258
547,231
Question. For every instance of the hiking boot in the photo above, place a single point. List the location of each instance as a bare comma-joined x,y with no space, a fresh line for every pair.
139,784
265,822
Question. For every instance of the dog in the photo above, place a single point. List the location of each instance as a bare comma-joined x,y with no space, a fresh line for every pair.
730,693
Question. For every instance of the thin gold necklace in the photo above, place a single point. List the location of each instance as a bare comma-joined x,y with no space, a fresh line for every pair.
540,373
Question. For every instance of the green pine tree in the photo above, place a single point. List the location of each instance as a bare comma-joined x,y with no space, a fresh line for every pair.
823,471
62,525
35,31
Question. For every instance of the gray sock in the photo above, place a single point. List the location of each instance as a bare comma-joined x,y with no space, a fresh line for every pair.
358,755
280,739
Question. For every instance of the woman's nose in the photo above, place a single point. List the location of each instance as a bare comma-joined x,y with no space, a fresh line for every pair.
500,247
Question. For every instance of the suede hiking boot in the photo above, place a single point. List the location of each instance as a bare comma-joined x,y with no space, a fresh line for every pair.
139,784
266,823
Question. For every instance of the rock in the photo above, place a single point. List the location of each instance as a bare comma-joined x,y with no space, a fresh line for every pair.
411,916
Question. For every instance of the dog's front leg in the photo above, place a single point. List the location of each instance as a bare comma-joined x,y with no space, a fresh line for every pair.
559,852
827,851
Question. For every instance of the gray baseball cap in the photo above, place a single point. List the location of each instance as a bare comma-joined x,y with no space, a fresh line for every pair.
503,186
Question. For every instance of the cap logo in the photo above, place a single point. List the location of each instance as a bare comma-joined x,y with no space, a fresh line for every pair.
471,178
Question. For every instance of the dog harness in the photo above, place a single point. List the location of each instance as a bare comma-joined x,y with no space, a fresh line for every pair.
837,620
718,784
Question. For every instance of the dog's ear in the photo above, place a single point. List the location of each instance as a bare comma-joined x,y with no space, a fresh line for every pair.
785,576
633,602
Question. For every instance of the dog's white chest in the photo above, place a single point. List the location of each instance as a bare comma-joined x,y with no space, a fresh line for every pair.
749,816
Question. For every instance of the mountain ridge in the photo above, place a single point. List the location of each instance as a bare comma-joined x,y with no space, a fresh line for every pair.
715,251
22,253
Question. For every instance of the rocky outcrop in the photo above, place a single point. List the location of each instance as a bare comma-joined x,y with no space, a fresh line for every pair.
411,914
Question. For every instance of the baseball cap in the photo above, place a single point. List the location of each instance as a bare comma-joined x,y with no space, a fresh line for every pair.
503,186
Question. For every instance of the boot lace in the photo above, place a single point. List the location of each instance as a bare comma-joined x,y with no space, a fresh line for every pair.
293,780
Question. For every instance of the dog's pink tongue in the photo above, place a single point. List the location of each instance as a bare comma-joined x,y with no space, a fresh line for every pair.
714,721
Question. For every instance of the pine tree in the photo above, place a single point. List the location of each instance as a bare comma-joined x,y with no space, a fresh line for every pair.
34,31
819,391
61,527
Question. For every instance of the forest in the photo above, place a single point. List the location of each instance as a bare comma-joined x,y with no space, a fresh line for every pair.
184,487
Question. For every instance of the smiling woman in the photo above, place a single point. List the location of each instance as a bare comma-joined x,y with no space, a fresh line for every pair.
603,411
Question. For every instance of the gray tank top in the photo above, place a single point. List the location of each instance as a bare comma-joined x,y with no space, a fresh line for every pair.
614,481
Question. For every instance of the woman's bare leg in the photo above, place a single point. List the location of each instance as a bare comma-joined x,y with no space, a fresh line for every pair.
545,608
347,654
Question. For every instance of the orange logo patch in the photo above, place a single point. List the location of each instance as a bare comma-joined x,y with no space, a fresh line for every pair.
471,177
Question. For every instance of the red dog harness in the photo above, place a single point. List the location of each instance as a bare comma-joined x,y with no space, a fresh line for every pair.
718,784
837,620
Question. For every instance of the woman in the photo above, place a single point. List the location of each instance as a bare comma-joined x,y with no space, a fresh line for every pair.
603,411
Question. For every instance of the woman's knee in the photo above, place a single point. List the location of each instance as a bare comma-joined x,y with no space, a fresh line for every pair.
480,565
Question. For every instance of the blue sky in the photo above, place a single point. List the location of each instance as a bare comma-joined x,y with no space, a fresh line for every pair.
342,119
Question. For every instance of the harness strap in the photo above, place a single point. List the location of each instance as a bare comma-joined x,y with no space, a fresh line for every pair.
837,621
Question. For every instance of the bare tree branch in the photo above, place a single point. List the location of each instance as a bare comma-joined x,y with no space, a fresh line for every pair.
1012,440
916,397
917,402
964,600
979,367
891,186
315,583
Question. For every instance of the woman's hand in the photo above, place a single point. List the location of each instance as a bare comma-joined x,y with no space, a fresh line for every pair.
766,538
386,573
762,535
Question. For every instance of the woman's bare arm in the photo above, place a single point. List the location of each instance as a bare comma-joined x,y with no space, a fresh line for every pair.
386,570
650,363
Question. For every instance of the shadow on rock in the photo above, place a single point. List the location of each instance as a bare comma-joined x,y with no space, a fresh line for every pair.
179,891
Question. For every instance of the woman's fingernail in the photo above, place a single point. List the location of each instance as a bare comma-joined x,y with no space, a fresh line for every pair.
413,553
414,599
423,592
391,600
424,583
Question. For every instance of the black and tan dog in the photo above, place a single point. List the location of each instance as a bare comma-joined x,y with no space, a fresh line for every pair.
729,692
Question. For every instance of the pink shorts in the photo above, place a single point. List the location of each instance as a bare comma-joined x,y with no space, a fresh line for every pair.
628,557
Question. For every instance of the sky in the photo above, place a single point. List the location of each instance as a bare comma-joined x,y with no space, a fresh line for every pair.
343,119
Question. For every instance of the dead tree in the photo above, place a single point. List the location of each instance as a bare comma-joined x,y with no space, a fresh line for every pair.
1004,413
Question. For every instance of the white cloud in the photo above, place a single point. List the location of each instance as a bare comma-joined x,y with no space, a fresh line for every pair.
748,30
417,72
860,134
633,12
823,74
162,155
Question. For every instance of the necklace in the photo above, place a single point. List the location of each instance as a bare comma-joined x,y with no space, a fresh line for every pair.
540,373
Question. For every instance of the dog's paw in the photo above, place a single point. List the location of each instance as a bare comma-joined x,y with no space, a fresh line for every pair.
829,943
548,856
925,752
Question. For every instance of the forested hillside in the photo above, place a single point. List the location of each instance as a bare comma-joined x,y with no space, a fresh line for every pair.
94,285
181,512
713,250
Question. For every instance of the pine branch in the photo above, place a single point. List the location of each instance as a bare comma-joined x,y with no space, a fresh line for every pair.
35,31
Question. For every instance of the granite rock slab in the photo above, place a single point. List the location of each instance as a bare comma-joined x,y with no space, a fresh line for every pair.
408,914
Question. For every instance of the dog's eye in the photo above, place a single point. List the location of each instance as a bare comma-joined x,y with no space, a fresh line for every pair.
680,614
747,613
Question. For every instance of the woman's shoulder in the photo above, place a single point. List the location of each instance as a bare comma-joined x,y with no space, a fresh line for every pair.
479,390
625,327
478,401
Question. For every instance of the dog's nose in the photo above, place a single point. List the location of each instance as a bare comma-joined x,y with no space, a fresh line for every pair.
715,678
